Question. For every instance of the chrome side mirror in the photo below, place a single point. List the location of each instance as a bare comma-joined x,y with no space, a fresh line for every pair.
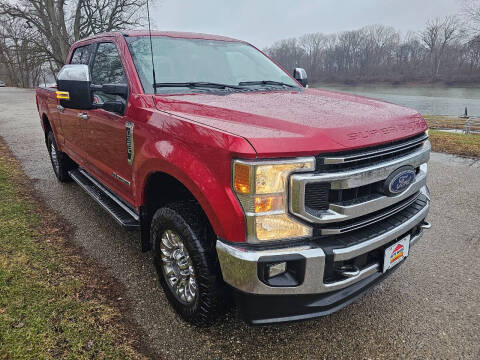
301,76
73,84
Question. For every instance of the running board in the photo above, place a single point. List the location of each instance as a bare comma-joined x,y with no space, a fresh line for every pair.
109,201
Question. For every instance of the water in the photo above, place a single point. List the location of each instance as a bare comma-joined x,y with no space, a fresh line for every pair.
428,100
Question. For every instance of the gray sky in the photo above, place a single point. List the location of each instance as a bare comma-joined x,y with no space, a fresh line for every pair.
261,22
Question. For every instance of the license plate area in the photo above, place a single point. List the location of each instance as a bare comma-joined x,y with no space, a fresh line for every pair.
396,253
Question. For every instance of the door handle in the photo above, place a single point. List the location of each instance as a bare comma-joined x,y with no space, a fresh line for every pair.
60,108
83,116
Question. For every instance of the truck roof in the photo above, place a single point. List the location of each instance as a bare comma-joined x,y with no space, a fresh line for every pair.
173,34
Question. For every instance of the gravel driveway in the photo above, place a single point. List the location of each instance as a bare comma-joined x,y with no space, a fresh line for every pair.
430,308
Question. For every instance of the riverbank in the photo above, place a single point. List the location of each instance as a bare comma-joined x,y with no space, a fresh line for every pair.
453,143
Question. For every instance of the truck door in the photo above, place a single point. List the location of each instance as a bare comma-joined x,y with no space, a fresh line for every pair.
72,121
106,131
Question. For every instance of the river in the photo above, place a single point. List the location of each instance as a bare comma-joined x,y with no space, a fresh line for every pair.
428,100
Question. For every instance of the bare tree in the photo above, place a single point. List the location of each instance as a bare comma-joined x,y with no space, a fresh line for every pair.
471,12
437,36
59,23
19,54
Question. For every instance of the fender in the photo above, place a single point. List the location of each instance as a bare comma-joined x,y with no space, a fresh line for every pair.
208,182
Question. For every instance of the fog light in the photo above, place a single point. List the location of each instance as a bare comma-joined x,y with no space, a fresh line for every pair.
276,269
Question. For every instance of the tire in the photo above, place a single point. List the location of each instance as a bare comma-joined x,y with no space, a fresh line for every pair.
186,222
61,163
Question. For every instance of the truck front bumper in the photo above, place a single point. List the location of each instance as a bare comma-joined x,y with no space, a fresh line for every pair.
311,285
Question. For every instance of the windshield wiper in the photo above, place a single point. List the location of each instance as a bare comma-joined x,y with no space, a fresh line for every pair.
197,84
265,82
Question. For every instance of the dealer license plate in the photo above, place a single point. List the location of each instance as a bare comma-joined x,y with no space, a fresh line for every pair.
396,253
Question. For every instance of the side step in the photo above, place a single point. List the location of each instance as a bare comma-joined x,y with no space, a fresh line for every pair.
109,201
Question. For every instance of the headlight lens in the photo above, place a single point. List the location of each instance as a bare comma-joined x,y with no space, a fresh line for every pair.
261,187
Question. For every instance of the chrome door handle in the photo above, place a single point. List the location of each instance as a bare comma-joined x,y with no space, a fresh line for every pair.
60,108
83,116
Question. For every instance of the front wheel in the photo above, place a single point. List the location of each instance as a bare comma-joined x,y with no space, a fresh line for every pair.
61,163
187,264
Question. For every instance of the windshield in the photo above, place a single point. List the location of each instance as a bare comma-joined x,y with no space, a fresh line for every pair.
196,61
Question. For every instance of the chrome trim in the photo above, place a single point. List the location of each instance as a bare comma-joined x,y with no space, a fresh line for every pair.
328,160
240,266
358,225
83,116
353,179
366,246
118,177
239,269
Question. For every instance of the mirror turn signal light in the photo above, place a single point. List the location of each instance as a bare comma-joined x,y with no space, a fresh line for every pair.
63,95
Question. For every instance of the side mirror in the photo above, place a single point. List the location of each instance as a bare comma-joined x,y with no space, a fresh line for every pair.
73,86
301,76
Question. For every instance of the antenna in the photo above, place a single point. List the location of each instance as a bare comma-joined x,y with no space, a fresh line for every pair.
151,49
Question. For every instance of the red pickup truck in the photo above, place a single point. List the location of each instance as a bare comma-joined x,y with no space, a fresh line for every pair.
247,185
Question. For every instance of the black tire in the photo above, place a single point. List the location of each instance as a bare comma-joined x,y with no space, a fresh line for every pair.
61,163
188,221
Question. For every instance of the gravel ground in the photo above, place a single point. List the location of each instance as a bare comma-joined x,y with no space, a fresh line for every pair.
429,308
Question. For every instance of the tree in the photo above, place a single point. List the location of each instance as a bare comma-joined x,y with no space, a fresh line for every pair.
58,23
471,12
437,36
19,54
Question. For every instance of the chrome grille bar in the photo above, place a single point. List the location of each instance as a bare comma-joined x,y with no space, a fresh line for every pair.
385,151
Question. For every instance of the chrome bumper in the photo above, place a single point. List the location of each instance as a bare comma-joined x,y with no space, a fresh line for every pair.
240,266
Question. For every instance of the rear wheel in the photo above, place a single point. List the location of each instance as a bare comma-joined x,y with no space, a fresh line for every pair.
187,264
61,163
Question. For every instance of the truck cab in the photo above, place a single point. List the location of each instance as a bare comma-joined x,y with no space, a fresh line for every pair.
247,185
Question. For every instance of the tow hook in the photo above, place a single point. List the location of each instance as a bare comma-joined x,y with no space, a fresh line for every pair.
425,225
349,271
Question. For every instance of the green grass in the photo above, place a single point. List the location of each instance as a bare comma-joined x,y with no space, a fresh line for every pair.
459,144
47,307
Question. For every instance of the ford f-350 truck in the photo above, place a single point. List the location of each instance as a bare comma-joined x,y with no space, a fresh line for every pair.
241,179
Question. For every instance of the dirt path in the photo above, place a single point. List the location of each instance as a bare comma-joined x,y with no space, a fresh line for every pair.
429,308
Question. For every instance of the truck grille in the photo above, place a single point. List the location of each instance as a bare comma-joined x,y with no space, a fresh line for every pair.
345,192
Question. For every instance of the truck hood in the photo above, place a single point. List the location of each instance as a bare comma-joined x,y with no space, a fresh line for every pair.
292,123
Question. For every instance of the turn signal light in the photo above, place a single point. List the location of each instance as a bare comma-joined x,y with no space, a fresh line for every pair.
241,182
268,203
63,95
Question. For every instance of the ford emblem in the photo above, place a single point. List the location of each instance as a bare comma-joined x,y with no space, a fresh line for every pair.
399,181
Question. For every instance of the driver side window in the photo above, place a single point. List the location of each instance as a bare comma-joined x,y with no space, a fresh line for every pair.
107,69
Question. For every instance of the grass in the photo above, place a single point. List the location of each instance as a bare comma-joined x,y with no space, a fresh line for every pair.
52,303
448,122
459,144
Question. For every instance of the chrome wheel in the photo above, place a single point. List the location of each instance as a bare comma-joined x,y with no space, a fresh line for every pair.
178,267
54,157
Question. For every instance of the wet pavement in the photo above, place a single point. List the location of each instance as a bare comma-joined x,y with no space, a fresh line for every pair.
429,308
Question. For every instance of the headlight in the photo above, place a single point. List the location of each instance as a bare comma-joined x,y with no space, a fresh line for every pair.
261,187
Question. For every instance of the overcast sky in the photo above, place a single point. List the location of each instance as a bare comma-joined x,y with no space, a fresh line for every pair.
262,22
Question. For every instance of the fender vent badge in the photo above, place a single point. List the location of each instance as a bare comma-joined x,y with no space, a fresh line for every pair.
130,145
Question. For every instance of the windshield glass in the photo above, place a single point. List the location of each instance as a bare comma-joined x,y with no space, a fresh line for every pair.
201,61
